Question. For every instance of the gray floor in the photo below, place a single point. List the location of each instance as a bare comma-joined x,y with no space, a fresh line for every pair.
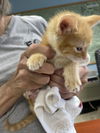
88,116
91,92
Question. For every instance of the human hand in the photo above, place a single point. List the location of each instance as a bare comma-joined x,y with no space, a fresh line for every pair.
24,79
83,74
58,80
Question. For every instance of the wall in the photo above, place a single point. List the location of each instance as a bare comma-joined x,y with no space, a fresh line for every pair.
86,8
24,5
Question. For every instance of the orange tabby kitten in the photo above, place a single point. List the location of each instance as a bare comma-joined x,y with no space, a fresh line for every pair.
69,34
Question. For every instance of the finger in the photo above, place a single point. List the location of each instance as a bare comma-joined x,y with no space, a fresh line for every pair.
60,84
34,87
59,72
67,95
84,74
57,79
41,79
22,63
54,84
47,68
83,71
84,79
35,48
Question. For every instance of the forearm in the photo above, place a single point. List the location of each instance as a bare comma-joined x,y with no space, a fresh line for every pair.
7,98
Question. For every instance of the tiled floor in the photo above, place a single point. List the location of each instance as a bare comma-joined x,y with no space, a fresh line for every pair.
92,126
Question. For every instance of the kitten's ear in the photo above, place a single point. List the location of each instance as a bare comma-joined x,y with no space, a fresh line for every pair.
92,20
67,25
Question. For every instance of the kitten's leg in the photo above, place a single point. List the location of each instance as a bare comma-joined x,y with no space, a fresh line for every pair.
72,78
30,101
35,61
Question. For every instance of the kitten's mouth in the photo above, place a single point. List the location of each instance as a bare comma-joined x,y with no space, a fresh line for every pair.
74,59
78,60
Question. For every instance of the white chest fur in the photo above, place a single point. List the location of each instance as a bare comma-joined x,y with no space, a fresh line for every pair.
59,61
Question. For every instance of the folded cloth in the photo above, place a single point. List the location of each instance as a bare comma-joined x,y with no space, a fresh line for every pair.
53,113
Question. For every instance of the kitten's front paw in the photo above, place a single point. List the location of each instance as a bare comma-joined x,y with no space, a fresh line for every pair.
73,86
35,61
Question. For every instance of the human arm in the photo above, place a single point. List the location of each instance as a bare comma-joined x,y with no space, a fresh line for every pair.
23,79
7,99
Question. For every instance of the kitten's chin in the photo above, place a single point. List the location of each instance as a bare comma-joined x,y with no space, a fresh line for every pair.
73,58
85,61
82,62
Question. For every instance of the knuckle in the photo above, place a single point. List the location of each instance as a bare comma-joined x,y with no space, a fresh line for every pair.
46,80
48,52
22,62
22,55
23,73
47,49
52,67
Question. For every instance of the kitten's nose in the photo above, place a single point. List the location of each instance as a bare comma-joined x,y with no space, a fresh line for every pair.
85,57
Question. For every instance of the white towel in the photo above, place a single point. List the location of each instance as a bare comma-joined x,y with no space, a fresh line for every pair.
51,111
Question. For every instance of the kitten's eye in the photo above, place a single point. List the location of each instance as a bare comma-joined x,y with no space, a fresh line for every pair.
78,49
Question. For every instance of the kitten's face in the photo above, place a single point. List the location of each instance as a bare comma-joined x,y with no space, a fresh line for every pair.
74,47
70,35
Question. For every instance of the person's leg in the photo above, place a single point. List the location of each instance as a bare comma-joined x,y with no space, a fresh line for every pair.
18,112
